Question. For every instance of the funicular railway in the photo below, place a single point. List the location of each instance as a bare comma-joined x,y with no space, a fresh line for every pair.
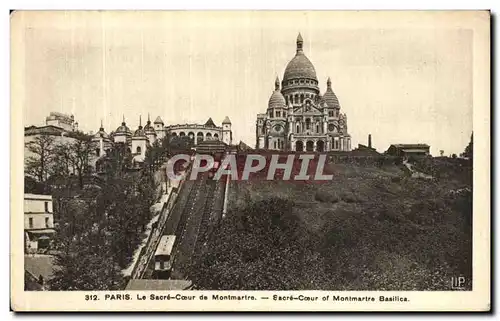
196,213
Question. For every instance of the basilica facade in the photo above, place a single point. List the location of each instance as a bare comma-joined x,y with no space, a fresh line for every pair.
298,117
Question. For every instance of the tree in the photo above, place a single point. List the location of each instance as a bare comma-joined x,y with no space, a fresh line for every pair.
100,225
117,161
155,155
469,150
38,165
262,247
84,255
179,144
75,157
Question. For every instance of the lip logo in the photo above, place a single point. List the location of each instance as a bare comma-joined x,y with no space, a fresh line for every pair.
458,283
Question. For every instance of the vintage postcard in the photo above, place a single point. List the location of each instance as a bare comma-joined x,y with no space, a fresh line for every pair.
250,161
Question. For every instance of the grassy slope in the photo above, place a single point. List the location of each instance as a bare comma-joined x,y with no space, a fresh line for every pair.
378,228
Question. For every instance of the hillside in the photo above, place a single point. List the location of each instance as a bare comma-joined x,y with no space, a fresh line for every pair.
369,228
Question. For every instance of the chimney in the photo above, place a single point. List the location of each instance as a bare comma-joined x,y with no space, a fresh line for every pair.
369,140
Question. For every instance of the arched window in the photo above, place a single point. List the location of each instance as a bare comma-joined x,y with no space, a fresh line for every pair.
320,146
296,100
199,137
317,128
299,146
286,100
274,144
138,149
308,123
301,98
298,128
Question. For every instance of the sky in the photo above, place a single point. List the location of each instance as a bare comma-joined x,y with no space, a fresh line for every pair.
403,78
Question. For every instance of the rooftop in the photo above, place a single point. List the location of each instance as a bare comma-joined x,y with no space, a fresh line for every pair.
410,145
37,197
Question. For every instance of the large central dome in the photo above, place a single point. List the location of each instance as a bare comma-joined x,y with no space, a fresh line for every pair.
300,66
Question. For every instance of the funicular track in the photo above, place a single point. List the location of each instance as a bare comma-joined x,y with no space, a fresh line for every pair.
188,235
176,217
211,218
196,213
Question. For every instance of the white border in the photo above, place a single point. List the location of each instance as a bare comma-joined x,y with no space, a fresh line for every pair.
145,4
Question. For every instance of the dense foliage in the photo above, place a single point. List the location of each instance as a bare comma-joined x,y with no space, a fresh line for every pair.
99,219
370,228
100,226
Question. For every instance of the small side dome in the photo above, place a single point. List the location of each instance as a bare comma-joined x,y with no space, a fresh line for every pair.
140,131
148,129
101,133
123,129
329,97
277,100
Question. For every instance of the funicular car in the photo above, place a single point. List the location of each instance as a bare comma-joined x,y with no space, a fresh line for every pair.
163,256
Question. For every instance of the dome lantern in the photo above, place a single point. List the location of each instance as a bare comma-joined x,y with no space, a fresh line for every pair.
300,42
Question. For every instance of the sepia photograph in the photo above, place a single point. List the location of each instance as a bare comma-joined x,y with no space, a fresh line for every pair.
199,158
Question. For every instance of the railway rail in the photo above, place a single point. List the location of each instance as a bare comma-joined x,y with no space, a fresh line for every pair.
197,211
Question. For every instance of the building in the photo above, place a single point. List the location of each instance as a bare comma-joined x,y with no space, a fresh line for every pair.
61,127
207,131
298,117
65,130
407,150
211,147
60,120
143,137
38,221
366,149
